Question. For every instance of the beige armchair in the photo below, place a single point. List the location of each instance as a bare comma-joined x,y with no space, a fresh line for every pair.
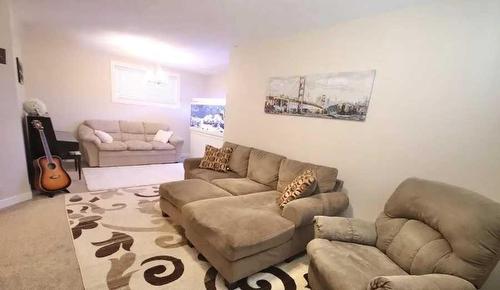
430,236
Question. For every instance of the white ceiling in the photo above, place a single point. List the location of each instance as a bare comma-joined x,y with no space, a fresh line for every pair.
196,35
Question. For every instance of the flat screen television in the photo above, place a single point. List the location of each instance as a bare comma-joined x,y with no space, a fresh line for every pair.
207,115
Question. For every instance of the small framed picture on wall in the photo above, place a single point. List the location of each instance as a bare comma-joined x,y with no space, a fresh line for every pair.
3,56
20,76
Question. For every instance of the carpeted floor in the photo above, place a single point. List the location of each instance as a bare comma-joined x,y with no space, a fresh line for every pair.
122,241
36,249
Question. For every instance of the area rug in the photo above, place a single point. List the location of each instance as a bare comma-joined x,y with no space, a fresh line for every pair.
103,178
123,242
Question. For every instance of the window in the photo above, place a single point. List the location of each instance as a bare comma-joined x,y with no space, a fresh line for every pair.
142,86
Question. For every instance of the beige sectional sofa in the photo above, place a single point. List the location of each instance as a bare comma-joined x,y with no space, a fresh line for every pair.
430,236
233,218
132,143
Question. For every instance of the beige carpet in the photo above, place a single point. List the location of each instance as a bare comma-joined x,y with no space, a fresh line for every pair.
122,241
36,250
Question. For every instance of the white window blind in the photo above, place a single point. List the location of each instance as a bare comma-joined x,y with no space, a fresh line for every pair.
138,85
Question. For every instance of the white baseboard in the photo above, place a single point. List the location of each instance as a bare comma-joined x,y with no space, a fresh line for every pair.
6,202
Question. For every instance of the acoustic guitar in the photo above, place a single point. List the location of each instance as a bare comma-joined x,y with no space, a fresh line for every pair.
50,175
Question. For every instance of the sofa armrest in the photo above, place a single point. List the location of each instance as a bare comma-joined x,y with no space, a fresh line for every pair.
345,230
420,282
303,210
191,163
85,133
177,142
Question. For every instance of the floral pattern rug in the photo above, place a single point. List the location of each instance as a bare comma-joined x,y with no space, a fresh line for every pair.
123,242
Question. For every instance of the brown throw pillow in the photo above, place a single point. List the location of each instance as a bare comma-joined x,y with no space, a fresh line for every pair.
302,186
216,159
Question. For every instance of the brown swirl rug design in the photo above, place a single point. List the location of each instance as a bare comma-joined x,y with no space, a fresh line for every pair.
123,242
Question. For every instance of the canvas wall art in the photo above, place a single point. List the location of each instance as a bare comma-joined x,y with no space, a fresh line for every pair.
343,95
3,56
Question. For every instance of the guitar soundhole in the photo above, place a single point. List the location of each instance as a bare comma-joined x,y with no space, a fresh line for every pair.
51,166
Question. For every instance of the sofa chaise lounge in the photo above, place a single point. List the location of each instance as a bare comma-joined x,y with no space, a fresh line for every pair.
132,143
430,236
233,218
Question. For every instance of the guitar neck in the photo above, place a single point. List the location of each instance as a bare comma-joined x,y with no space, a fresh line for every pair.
45,145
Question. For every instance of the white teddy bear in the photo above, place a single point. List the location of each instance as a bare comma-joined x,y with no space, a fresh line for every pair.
35,107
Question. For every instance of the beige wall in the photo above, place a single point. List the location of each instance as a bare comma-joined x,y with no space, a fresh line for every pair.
74,80
433,112
217,86
14,185
434,108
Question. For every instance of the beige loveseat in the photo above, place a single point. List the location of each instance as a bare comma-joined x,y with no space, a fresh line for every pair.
132,143
430,236
233,218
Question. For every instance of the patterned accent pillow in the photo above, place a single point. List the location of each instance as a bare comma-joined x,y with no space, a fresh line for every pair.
302,186
216,159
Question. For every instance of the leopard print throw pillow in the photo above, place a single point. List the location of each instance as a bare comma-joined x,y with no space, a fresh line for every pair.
216,159
303,185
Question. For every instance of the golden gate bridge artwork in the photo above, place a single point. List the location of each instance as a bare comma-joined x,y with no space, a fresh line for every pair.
344,95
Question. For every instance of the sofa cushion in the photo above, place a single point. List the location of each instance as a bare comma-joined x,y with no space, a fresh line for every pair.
107,126
289,169
131,127
113,146
132,131
116,136
239,158
240,186
152,128
133,136
136,145
162,146
179,193
263,167
241,226
348,266
216,158
209,175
